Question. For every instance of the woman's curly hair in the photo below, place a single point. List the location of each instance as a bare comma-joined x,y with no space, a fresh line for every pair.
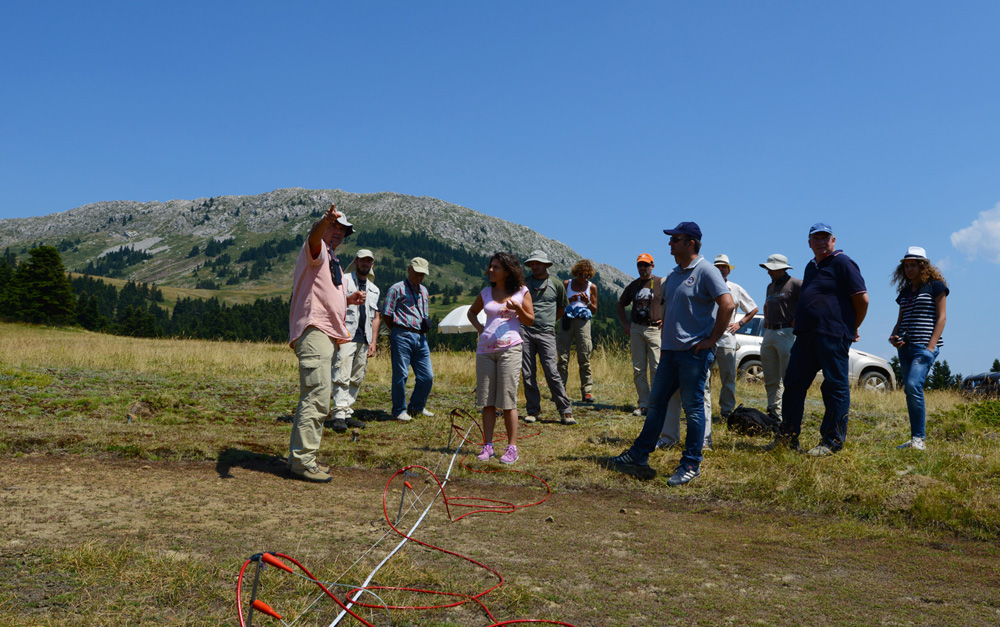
512,265
583,269
928,273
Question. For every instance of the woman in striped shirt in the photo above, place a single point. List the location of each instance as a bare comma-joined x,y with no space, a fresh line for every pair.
917,334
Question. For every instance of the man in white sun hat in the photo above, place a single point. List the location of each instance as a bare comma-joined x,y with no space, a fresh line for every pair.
779,317
725,351
363,321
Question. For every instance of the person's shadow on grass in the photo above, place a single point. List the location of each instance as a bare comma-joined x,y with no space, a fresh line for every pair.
642,473
249,460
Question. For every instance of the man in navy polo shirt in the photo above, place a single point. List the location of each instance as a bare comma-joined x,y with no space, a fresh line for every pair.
832,305
697,308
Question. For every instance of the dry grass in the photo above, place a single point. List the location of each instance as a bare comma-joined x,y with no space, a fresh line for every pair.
87,383
107,401
25,346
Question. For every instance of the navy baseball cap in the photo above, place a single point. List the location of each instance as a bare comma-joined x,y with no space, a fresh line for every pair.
821,227
691,229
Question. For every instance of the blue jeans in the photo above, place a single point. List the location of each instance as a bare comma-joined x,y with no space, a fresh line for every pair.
677,369
409,348
810,354
915,362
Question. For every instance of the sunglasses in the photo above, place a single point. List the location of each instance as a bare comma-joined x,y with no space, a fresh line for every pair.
674,239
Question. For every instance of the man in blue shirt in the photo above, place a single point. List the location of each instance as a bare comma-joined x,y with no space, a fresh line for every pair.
697,308
832,305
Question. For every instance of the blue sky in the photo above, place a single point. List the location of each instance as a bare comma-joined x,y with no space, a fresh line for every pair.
597,124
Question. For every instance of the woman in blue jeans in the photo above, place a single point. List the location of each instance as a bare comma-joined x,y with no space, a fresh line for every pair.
917,334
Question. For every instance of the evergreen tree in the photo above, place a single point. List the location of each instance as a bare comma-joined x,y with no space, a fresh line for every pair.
941,377
7,302
897,370
996,366
42,289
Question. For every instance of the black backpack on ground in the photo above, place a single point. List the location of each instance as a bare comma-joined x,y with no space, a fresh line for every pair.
750,421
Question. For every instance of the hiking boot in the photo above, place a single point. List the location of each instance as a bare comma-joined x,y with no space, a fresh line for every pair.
567,419
665,443
587,398
627,459
339,425
354,423
313,474
915,443
780,442
485,453
403,417
707,444
510,455
427,412
684,474
319,464
530,418
820,450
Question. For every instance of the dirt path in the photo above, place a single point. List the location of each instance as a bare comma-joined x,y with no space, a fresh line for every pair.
586,559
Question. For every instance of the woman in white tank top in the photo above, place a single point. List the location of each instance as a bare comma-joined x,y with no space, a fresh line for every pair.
507,304
575,326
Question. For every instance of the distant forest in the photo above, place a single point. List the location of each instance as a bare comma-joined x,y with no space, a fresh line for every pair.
136,309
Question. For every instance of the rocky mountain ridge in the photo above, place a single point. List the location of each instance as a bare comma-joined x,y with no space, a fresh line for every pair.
168,230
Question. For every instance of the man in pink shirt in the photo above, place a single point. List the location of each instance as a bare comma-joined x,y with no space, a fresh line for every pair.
317,326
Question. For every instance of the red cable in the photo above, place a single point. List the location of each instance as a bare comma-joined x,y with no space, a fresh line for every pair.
476,505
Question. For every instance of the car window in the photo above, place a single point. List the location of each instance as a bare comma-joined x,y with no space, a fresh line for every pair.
754,327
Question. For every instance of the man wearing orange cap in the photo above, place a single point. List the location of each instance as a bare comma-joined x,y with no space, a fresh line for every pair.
642,326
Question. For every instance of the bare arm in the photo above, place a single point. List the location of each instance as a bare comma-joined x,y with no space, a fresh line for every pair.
473,314
319,229
894,338
942,316
860,302
734,327
722,318
592,303
525,310
376,323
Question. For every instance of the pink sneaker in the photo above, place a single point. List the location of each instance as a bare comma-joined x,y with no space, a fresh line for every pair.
510,455
487,452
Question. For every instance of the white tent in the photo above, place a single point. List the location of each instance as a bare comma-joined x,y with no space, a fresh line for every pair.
457,321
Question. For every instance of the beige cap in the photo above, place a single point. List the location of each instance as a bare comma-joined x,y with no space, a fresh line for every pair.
364,253
419,264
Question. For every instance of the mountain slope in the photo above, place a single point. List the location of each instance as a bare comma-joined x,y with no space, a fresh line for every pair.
168,231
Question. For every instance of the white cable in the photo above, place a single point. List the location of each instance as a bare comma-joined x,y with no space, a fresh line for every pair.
404,540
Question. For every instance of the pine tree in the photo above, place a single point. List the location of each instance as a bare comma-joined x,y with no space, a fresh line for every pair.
42,289
896,369
941,377
996,366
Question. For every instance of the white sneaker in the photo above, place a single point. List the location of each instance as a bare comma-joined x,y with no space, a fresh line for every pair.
914,443
427,412
403,417
637,411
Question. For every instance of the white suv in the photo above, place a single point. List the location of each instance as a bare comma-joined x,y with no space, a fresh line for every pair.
866,370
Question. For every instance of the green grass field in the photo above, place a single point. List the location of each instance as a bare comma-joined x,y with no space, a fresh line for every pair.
137,475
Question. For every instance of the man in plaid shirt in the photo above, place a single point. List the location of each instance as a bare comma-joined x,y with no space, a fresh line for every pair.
406,314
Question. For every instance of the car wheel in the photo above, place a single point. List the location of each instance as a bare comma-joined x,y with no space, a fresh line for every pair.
752,371
874,381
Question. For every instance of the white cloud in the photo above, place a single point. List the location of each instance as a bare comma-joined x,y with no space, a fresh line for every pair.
981,238
944,264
